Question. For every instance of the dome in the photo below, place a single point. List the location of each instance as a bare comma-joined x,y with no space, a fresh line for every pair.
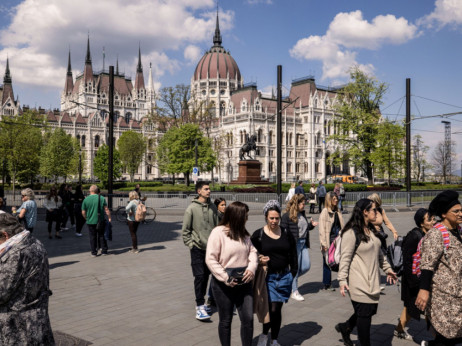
217,63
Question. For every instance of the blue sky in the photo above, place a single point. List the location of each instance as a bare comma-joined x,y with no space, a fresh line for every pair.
392,40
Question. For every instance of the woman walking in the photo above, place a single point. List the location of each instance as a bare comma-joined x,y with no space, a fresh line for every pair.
77,199
278,251
330,224
312,198
28,209
291,192
382,218
295,220
360,260
410,282
53,205
441,267
132,223
233,260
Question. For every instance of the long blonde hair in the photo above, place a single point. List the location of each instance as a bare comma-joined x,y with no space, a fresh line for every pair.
329,197
292,206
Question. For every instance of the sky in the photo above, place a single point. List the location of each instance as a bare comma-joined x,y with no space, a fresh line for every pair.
390,40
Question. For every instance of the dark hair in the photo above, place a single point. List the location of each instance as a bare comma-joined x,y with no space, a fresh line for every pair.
55,194
234,218
10,224
201,184
218,200
356,221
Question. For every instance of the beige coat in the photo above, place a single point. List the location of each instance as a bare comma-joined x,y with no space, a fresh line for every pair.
445,305
360,269
326,219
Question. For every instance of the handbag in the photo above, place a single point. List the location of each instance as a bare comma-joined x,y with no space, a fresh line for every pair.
236,274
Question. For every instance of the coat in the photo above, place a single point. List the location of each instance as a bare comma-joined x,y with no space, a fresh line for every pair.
326,219
287,223
24,294
198,221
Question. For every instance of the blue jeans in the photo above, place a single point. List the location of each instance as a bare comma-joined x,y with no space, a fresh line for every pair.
340,203
326,273
307,264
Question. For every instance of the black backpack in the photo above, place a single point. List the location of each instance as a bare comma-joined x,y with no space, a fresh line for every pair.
395,256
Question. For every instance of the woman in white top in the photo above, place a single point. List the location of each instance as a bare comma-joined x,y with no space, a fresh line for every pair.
291,192
53,205
233,260
132,223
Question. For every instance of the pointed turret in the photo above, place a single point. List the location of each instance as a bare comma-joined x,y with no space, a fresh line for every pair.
117,66
7,84
217,37
139,79
88,69
7,77
69,85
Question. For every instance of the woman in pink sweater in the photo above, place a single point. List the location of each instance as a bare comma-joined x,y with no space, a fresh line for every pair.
233,260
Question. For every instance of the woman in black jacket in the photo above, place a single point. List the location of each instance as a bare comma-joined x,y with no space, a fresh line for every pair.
410,282
297,223
277,249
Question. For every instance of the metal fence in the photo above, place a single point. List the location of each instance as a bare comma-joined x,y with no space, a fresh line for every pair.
168,200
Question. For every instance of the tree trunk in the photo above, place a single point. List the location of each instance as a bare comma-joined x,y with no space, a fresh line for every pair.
369,174
186,177
173,179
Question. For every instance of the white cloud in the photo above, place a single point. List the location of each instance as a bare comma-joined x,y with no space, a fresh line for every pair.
192,54
446,12
350,31
42,30
256,2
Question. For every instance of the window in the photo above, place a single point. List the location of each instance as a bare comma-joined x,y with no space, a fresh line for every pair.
96,141
270,137
271,167
259,135
289,167
128,117
83,141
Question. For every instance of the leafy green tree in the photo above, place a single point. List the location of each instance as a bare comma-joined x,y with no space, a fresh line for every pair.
132,147
176,151
101,164
389,156
358,116
58,155
20,145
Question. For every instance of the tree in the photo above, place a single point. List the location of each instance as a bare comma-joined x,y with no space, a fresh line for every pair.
443,154
58,155
132,147
20,145
176,151
388,158
419,161
101,164
357,116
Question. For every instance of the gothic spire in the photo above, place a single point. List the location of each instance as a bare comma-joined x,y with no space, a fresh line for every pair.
7,77
88,57
69,68
217,36
139,67
117,66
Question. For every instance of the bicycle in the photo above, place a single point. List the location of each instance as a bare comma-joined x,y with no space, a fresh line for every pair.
121,215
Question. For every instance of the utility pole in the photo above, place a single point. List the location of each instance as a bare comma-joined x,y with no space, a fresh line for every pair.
408,141
111,136
80,166
279,130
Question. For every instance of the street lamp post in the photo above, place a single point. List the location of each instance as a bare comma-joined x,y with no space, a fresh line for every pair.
80,166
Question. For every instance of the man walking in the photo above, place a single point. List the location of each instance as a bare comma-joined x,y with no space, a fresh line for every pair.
92,214
321,193
199,219
299,189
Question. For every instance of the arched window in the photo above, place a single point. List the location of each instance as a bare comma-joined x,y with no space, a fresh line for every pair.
259,135
270,137
222,108
83,141
128,117
96,141
78,139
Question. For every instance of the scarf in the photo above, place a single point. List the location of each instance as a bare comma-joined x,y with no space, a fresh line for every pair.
13,241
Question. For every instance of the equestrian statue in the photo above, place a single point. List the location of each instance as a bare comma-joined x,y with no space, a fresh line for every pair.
247,147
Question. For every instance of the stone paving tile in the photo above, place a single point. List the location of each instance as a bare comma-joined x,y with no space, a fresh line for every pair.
148,299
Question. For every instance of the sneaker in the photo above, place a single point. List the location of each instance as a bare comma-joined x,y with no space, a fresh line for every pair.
208,309
134,250
262,340
104,254
297,296
424,343
78,234
382,288
402,335
94,255
63,229
275,343
201,314
329,288
343,329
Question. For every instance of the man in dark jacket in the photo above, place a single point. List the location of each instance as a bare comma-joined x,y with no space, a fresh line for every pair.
299,189
199,219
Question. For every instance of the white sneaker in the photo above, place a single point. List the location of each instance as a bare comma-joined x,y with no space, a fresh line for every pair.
78,234
297,296
201,313
424,343
262,340
275,343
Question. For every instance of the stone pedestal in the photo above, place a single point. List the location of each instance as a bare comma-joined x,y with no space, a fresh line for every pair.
249,173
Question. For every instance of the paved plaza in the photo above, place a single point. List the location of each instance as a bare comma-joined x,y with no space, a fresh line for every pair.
148,298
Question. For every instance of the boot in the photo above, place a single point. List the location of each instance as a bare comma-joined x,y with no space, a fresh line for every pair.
343,329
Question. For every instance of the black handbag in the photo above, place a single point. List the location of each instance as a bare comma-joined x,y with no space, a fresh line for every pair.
236,274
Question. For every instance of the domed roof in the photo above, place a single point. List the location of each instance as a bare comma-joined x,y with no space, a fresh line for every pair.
217,62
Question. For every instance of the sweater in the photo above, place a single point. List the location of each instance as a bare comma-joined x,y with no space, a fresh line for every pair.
198,221
360,269
223,252
326,219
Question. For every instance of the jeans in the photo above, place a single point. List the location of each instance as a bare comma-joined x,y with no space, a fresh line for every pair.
54,216
201,274
321,203
226,298
97,239
326,272
300,245
340,203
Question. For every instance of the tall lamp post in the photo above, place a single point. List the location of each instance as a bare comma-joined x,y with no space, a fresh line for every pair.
80,166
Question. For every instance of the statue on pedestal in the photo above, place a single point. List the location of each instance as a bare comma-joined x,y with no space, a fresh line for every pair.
247,147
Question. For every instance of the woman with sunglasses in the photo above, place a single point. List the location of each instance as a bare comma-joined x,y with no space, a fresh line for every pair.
53,204
232,260
330,224
28,209
360,261
277,250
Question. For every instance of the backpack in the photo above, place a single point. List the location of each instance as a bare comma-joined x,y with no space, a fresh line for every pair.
140,213
417,256
335,248
395,256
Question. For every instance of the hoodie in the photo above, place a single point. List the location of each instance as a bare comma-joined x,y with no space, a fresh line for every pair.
198,221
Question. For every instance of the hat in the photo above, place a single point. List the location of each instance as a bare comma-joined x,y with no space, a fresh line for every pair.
271,204
419,216
443,202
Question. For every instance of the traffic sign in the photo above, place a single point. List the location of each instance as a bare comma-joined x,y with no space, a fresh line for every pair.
195,170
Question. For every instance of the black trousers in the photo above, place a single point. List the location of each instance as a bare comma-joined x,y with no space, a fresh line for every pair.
226,298
97,240
54,216
321,201
201,274
79,220
362,319
133,227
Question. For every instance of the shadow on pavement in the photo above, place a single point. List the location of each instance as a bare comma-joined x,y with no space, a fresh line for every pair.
297,333
63,339
62,264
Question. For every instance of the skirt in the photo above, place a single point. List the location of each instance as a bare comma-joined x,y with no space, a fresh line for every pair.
279,286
